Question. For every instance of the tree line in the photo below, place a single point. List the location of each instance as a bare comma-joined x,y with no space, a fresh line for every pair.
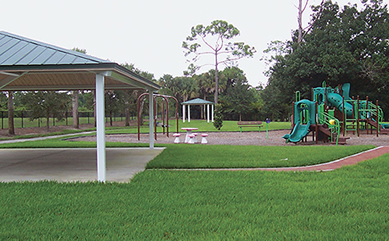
341,45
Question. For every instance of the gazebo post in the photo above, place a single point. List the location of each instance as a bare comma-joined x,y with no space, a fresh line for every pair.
151,119
183,113
212,113
188,113
100,128
208,113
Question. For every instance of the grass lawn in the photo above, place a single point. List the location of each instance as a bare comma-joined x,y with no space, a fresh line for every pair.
227,156
351,203
203,127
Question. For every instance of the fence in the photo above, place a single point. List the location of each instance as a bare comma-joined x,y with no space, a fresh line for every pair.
22,119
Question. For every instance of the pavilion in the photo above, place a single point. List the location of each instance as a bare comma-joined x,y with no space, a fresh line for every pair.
197,101
29,65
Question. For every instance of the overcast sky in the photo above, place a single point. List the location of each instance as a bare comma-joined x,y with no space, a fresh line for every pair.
149,33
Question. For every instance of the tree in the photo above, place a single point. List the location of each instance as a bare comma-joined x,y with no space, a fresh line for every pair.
75,97
114,102
11,126
237,97
214,37
46,104
342,45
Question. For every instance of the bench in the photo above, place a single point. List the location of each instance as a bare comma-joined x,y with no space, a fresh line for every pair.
242,124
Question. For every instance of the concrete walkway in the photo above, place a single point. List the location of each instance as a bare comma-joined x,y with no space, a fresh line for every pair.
72,164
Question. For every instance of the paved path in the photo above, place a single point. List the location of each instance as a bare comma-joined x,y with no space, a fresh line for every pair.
350,160
45,137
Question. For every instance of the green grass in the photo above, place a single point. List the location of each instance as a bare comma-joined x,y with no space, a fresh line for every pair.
26,122
351,203
202,126
227,156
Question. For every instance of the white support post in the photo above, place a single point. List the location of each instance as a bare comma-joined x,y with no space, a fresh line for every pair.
212,113
183,113
208,113
100,128
188,113
151,120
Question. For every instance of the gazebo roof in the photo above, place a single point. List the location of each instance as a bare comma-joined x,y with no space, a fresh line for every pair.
27,64
197,101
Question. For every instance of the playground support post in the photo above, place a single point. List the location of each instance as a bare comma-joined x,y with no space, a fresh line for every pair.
344,118
367,115
317,121
357,115
378,119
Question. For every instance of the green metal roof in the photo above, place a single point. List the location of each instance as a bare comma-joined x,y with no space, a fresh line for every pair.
197,101
26,64
17,50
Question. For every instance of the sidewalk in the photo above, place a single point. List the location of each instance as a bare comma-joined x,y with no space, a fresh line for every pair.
44,137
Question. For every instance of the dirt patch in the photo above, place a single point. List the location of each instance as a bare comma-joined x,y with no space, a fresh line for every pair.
244,138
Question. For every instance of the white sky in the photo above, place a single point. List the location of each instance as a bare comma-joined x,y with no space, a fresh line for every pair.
149,33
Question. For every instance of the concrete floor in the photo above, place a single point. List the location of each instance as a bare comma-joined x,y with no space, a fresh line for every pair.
72,164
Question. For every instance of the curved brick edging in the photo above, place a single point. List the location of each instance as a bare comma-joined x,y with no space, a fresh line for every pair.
329,166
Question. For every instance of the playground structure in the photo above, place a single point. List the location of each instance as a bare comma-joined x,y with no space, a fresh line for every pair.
332,112
165,114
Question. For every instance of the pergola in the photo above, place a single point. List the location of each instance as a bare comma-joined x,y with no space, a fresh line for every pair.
197,101
27,64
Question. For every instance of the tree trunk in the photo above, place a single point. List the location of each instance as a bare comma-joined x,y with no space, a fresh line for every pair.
11,126
94,106
110,118
126,108
300,22
76,123
127,114
216,80
47,121
141,110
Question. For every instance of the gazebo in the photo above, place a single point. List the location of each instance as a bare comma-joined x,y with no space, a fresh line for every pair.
27,64
197,101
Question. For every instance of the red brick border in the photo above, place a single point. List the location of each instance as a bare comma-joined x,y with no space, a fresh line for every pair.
350,160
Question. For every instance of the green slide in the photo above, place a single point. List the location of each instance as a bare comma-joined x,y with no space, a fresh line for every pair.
298,133
337,101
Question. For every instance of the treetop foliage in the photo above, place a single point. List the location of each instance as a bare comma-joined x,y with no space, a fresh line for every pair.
342,45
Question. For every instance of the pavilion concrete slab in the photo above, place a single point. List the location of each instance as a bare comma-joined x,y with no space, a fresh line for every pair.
72,164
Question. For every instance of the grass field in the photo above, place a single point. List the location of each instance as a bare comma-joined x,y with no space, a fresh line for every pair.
351,203
202,126
226,156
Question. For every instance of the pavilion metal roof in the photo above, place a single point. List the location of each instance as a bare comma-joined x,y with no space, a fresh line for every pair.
197,101
26,64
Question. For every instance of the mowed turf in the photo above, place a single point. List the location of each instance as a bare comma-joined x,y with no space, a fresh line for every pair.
351,203
228,156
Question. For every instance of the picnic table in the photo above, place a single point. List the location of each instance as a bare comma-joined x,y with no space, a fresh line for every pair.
188,132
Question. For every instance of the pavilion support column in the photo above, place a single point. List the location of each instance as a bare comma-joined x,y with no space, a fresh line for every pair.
207,113
188,113
183,113
151,119
100,128
212,113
